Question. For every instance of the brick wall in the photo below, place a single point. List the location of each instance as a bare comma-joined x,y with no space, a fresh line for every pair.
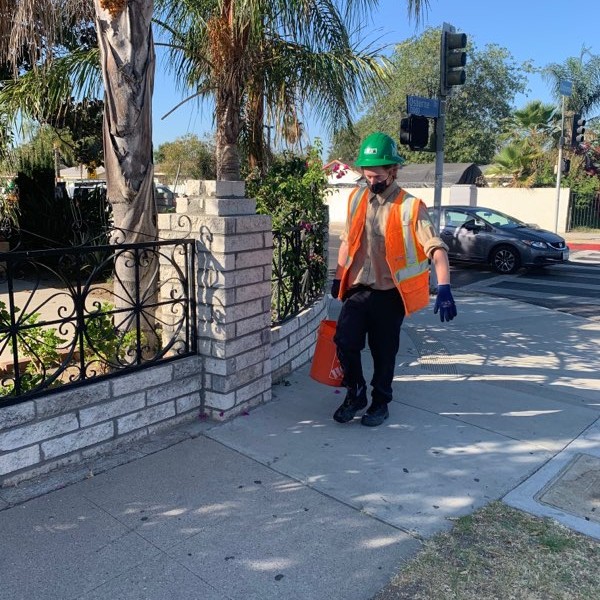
239,354
293,342
65,427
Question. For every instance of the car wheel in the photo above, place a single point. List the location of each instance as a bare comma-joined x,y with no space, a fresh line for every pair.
505,260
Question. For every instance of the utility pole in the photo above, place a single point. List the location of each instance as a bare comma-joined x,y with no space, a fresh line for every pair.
268,128
565,88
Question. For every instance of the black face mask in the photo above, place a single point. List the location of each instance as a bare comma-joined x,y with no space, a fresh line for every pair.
379,186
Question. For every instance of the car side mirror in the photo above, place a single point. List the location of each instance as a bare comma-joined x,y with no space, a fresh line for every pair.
474,225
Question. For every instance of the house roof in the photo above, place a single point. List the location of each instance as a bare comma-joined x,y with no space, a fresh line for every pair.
411,175
80,173
423,175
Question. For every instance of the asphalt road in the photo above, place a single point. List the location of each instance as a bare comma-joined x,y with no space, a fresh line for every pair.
572,287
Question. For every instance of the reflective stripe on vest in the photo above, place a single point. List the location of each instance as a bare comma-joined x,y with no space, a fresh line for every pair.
354,203
416,262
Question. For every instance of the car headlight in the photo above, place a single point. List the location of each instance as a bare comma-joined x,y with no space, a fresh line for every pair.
534,244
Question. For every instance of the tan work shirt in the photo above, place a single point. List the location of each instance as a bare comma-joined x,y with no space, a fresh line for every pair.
369,266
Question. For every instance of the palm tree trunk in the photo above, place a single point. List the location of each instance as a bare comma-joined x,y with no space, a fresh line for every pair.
228,109
127,60
258,153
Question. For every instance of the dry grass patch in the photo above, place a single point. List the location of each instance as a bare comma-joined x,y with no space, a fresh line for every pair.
501,553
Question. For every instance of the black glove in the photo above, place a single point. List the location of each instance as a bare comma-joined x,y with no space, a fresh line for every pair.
445,303
335,288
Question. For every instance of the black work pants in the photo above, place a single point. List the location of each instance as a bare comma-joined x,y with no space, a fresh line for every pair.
374,316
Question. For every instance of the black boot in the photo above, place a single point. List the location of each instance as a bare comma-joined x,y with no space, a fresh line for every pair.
356,399
376,414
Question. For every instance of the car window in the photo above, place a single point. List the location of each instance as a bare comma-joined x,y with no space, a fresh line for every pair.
498,219
163,192
455,218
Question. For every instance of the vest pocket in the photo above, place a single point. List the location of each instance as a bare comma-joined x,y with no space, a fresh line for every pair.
415,292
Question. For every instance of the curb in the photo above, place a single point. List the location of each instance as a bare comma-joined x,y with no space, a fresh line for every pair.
583,246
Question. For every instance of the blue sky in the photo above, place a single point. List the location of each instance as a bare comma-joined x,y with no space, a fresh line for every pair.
543,31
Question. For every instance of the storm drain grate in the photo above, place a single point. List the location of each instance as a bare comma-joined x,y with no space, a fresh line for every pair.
433,355
576,490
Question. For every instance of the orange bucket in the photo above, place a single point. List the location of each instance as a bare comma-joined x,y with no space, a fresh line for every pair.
325,367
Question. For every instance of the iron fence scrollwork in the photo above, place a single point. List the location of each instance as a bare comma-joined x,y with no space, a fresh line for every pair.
71,315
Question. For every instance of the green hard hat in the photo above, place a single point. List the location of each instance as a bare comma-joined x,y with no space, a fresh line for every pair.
378,150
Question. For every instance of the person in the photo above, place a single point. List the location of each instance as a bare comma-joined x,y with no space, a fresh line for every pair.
382,275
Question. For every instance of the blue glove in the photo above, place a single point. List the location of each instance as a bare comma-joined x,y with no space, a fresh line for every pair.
445,303
335,288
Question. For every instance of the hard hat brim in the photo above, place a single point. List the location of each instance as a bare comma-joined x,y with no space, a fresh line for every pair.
385,161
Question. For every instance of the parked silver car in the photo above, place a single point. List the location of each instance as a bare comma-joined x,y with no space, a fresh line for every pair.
482,235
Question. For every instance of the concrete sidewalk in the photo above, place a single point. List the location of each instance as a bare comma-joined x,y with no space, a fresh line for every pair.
285,503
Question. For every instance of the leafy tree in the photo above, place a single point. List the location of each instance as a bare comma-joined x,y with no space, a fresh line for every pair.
187,157
474,111
83,120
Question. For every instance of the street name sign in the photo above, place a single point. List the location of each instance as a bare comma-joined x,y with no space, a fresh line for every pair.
425,107
565,87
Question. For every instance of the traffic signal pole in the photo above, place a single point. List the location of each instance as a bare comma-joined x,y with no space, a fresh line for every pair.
440,132
559,166
453,58
414,129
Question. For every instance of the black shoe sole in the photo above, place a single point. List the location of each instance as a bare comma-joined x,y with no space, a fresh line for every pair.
348,416
372,421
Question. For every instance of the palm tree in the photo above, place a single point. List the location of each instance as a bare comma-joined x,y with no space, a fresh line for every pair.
585,78
260,60
531,134
263,60
127,59
538,123
517,162
31,28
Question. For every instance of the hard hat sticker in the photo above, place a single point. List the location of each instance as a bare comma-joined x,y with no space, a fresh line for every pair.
370,150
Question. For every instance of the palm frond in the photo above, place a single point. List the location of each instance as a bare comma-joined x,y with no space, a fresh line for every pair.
29,29
41,93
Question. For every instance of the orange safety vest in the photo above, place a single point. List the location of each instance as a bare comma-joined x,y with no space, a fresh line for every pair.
408,262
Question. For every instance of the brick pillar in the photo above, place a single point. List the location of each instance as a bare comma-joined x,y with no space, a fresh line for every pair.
234,255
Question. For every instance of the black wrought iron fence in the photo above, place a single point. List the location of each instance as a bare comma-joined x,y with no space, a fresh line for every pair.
584,211
71,315
299,267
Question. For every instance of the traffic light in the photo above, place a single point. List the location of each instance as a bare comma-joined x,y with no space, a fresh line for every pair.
405,131
414,132
453,58
577,131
